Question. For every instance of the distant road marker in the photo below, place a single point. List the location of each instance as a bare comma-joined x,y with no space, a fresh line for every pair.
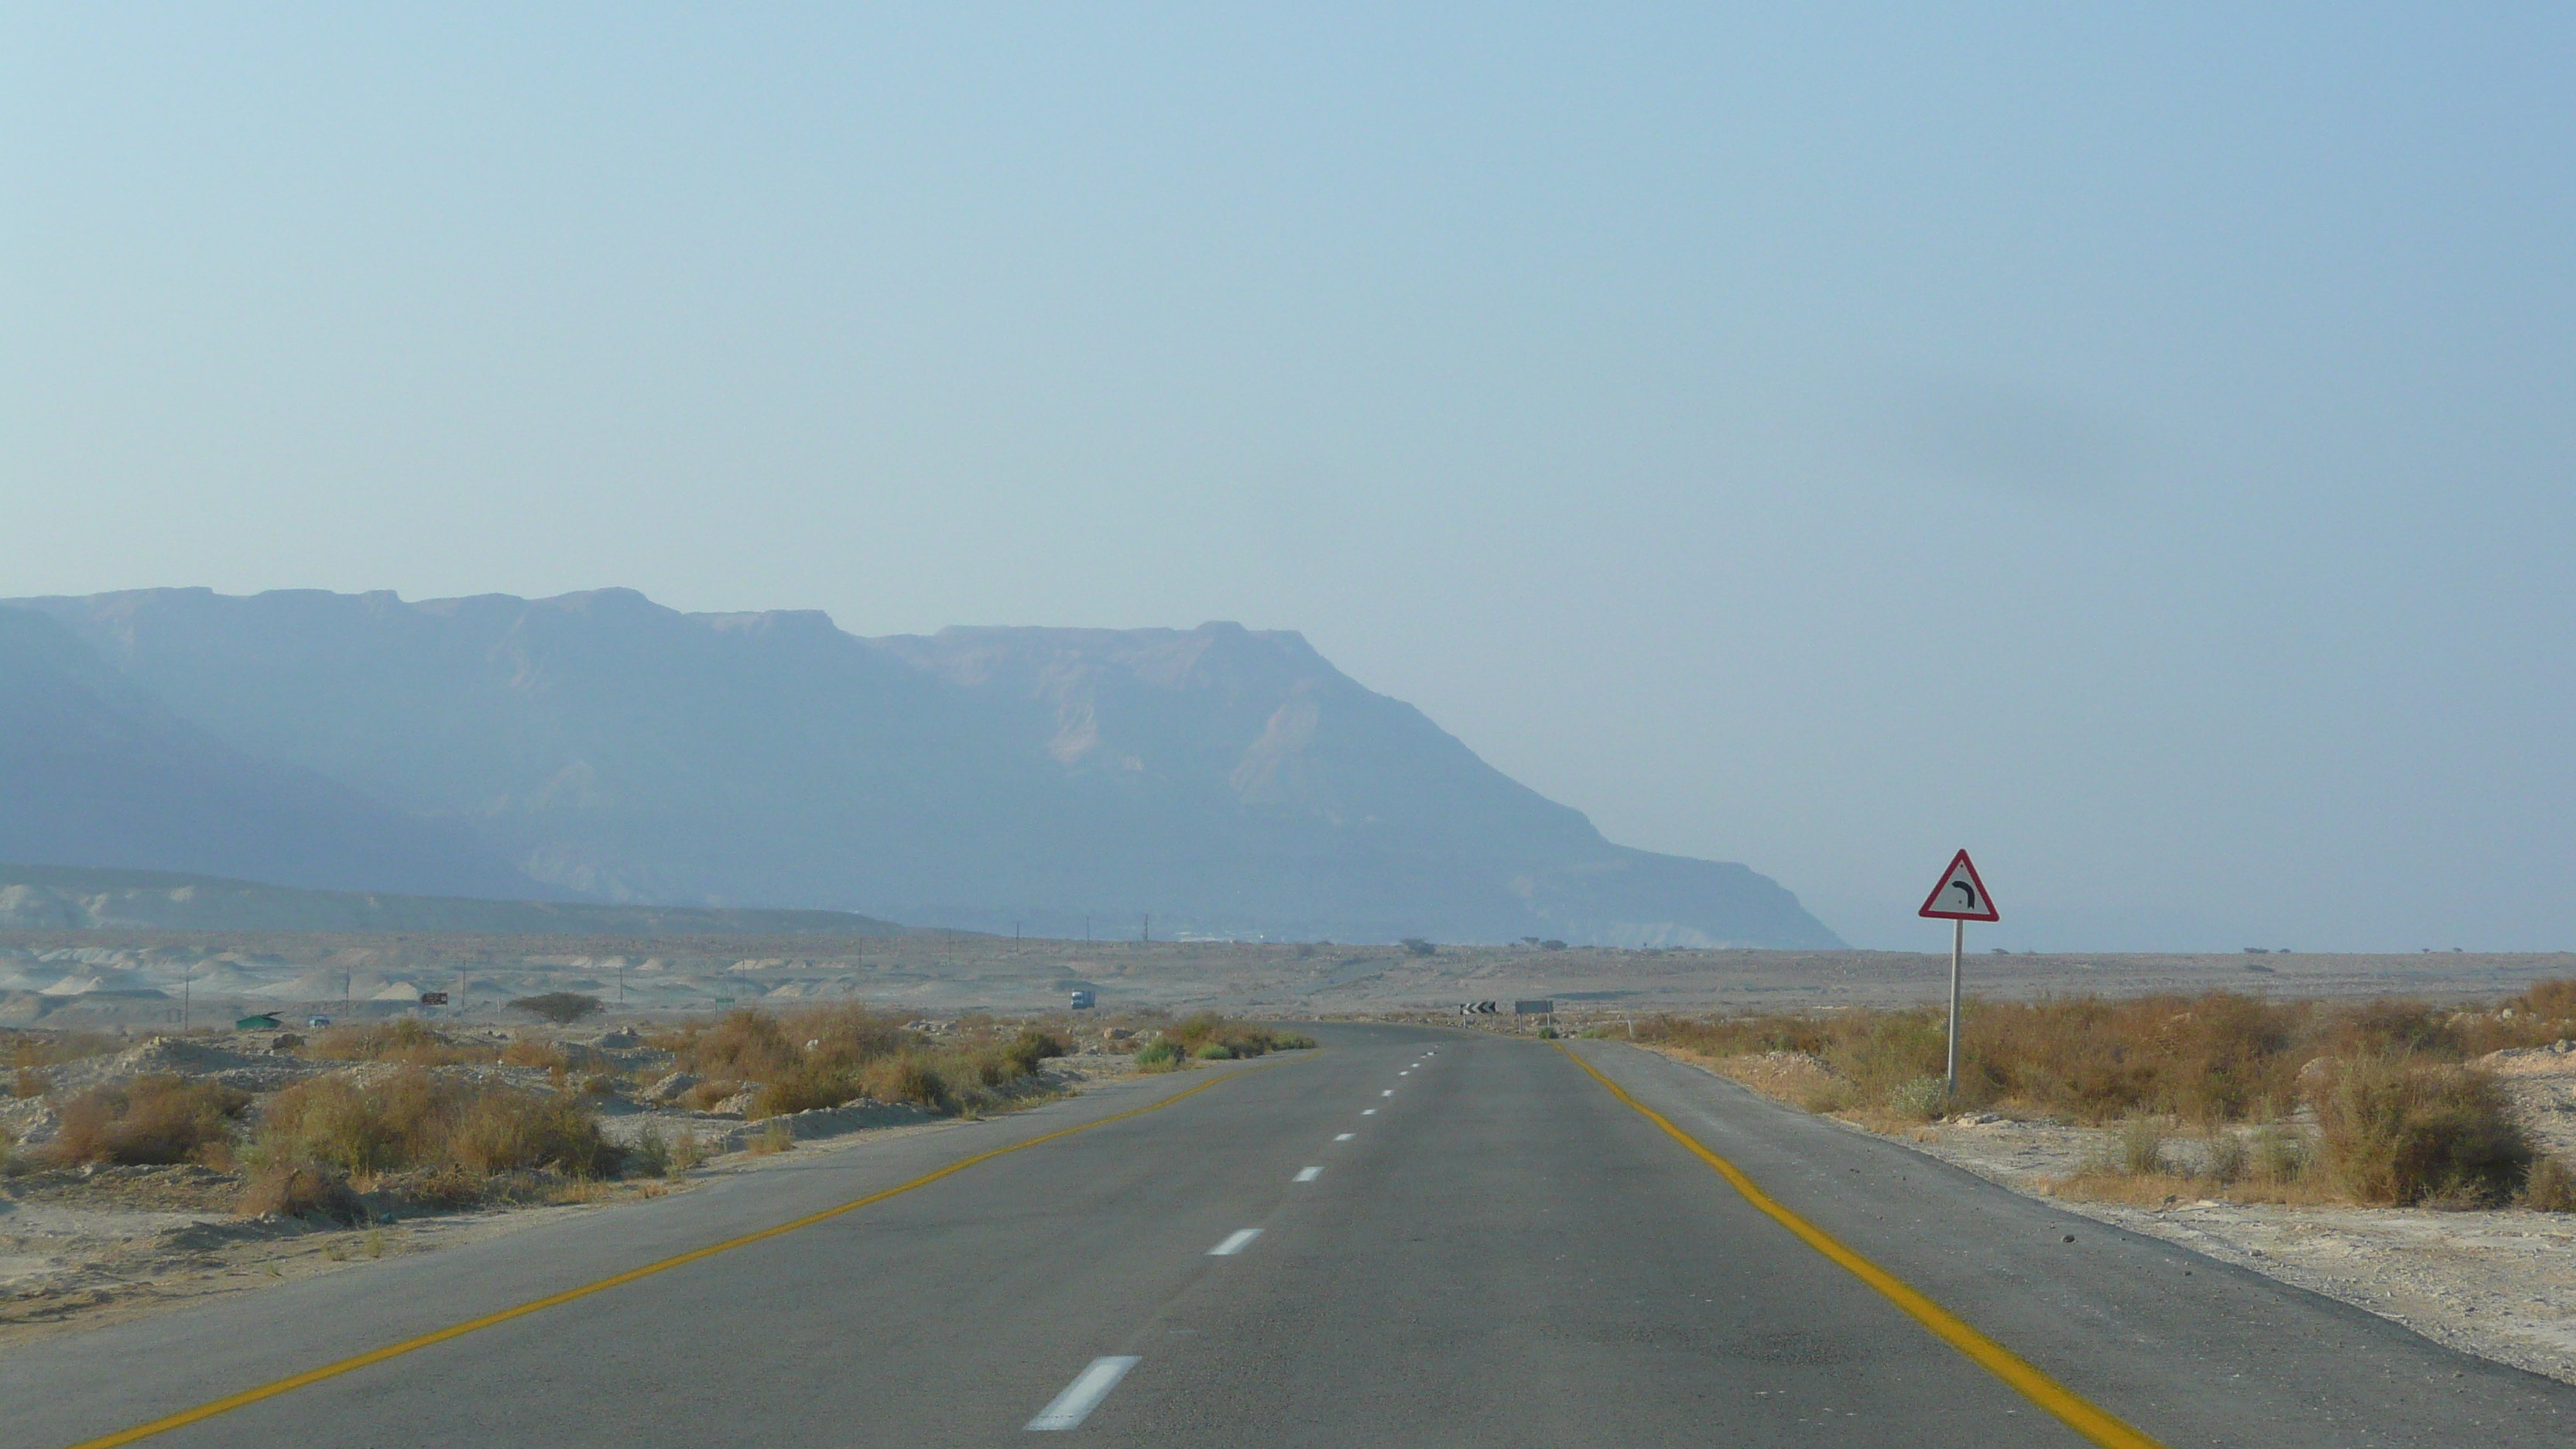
1307,1174
246,1397
1389,1092
2025,1378
1235,1242
1084,1394
1345,1137
1368,1111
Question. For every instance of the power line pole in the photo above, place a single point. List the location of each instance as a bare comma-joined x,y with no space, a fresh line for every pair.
1149,926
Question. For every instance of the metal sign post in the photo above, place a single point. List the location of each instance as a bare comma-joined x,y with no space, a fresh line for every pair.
1959,898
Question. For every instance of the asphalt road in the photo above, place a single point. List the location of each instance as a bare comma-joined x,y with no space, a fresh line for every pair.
1498,1253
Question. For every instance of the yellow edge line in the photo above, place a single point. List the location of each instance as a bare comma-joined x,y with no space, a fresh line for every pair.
247,1397
2070,1407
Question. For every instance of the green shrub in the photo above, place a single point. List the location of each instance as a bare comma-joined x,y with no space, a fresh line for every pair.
2279,1156
1215,1051
1921,1098
2139,1150
650,1155
2229,1160
1162,1055
563,1008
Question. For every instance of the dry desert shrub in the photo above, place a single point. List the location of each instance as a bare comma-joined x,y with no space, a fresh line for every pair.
301,1190
504,1130
29,1082
833,1055
150,1120
2215,1058
706,1095
2394,1131
905,1079
1239,1038
415,1120
25,1049
2550,1187
531,1052
409,1042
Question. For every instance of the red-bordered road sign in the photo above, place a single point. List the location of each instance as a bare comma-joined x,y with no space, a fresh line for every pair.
1960,896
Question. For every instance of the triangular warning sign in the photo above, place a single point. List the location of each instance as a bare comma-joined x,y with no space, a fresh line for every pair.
1960,896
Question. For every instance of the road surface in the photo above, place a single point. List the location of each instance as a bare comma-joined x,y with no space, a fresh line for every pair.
1411,1238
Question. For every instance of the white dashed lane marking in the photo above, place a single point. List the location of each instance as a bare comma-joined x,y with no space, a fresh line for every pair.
1345,1137
1235,1242
1084,1394
1308,1174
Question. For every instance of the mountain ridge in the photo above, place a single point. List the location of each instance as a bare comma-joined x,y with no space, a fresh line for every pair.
1226,780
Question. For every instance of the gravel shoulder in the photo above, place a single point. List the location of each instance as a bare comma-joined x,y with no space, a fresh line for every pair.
2499,1284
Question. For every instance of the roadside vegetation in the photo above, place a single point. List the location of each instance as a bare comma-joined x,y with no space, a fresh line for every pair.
2377,1103
418,1116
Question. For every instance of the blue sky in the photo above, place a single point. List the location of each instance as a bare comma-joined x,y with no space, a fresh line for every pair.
2135,446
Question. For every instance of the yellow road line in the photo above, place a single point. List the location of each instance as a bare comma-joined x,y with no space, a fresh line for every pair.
247,1397
2070,1407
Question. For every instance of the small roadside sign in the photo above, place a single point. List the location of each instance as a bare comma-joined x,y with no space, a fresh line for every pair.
433,998
1960,896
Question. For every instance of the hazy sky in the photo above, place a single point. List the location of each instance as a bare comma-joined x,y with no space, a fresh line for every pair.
2134,446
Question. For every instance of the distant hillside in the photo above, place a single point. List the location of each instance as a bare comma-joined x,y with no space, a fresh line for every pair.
1228,782
96,771
53,897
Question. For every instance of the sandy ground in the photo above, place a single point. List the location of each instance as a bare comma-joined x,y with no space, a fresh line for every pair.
139,980
2499,1284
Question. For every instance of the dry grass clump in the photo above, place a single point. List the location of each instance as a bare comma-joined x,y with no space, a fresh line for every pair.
150,1120
1239,1038
301,1190
414,1121
528,1051
2219,1057
25,1050
2402,1119
2148,1164
2549,1187
832,1055
409,1042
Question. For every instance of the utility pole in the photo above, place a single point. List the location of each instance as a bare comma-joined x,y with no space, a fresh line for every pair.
1149,926
1086,926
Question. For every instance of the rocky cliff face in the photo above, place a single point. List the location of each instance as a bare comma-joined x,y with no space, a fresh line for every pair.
1225,780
